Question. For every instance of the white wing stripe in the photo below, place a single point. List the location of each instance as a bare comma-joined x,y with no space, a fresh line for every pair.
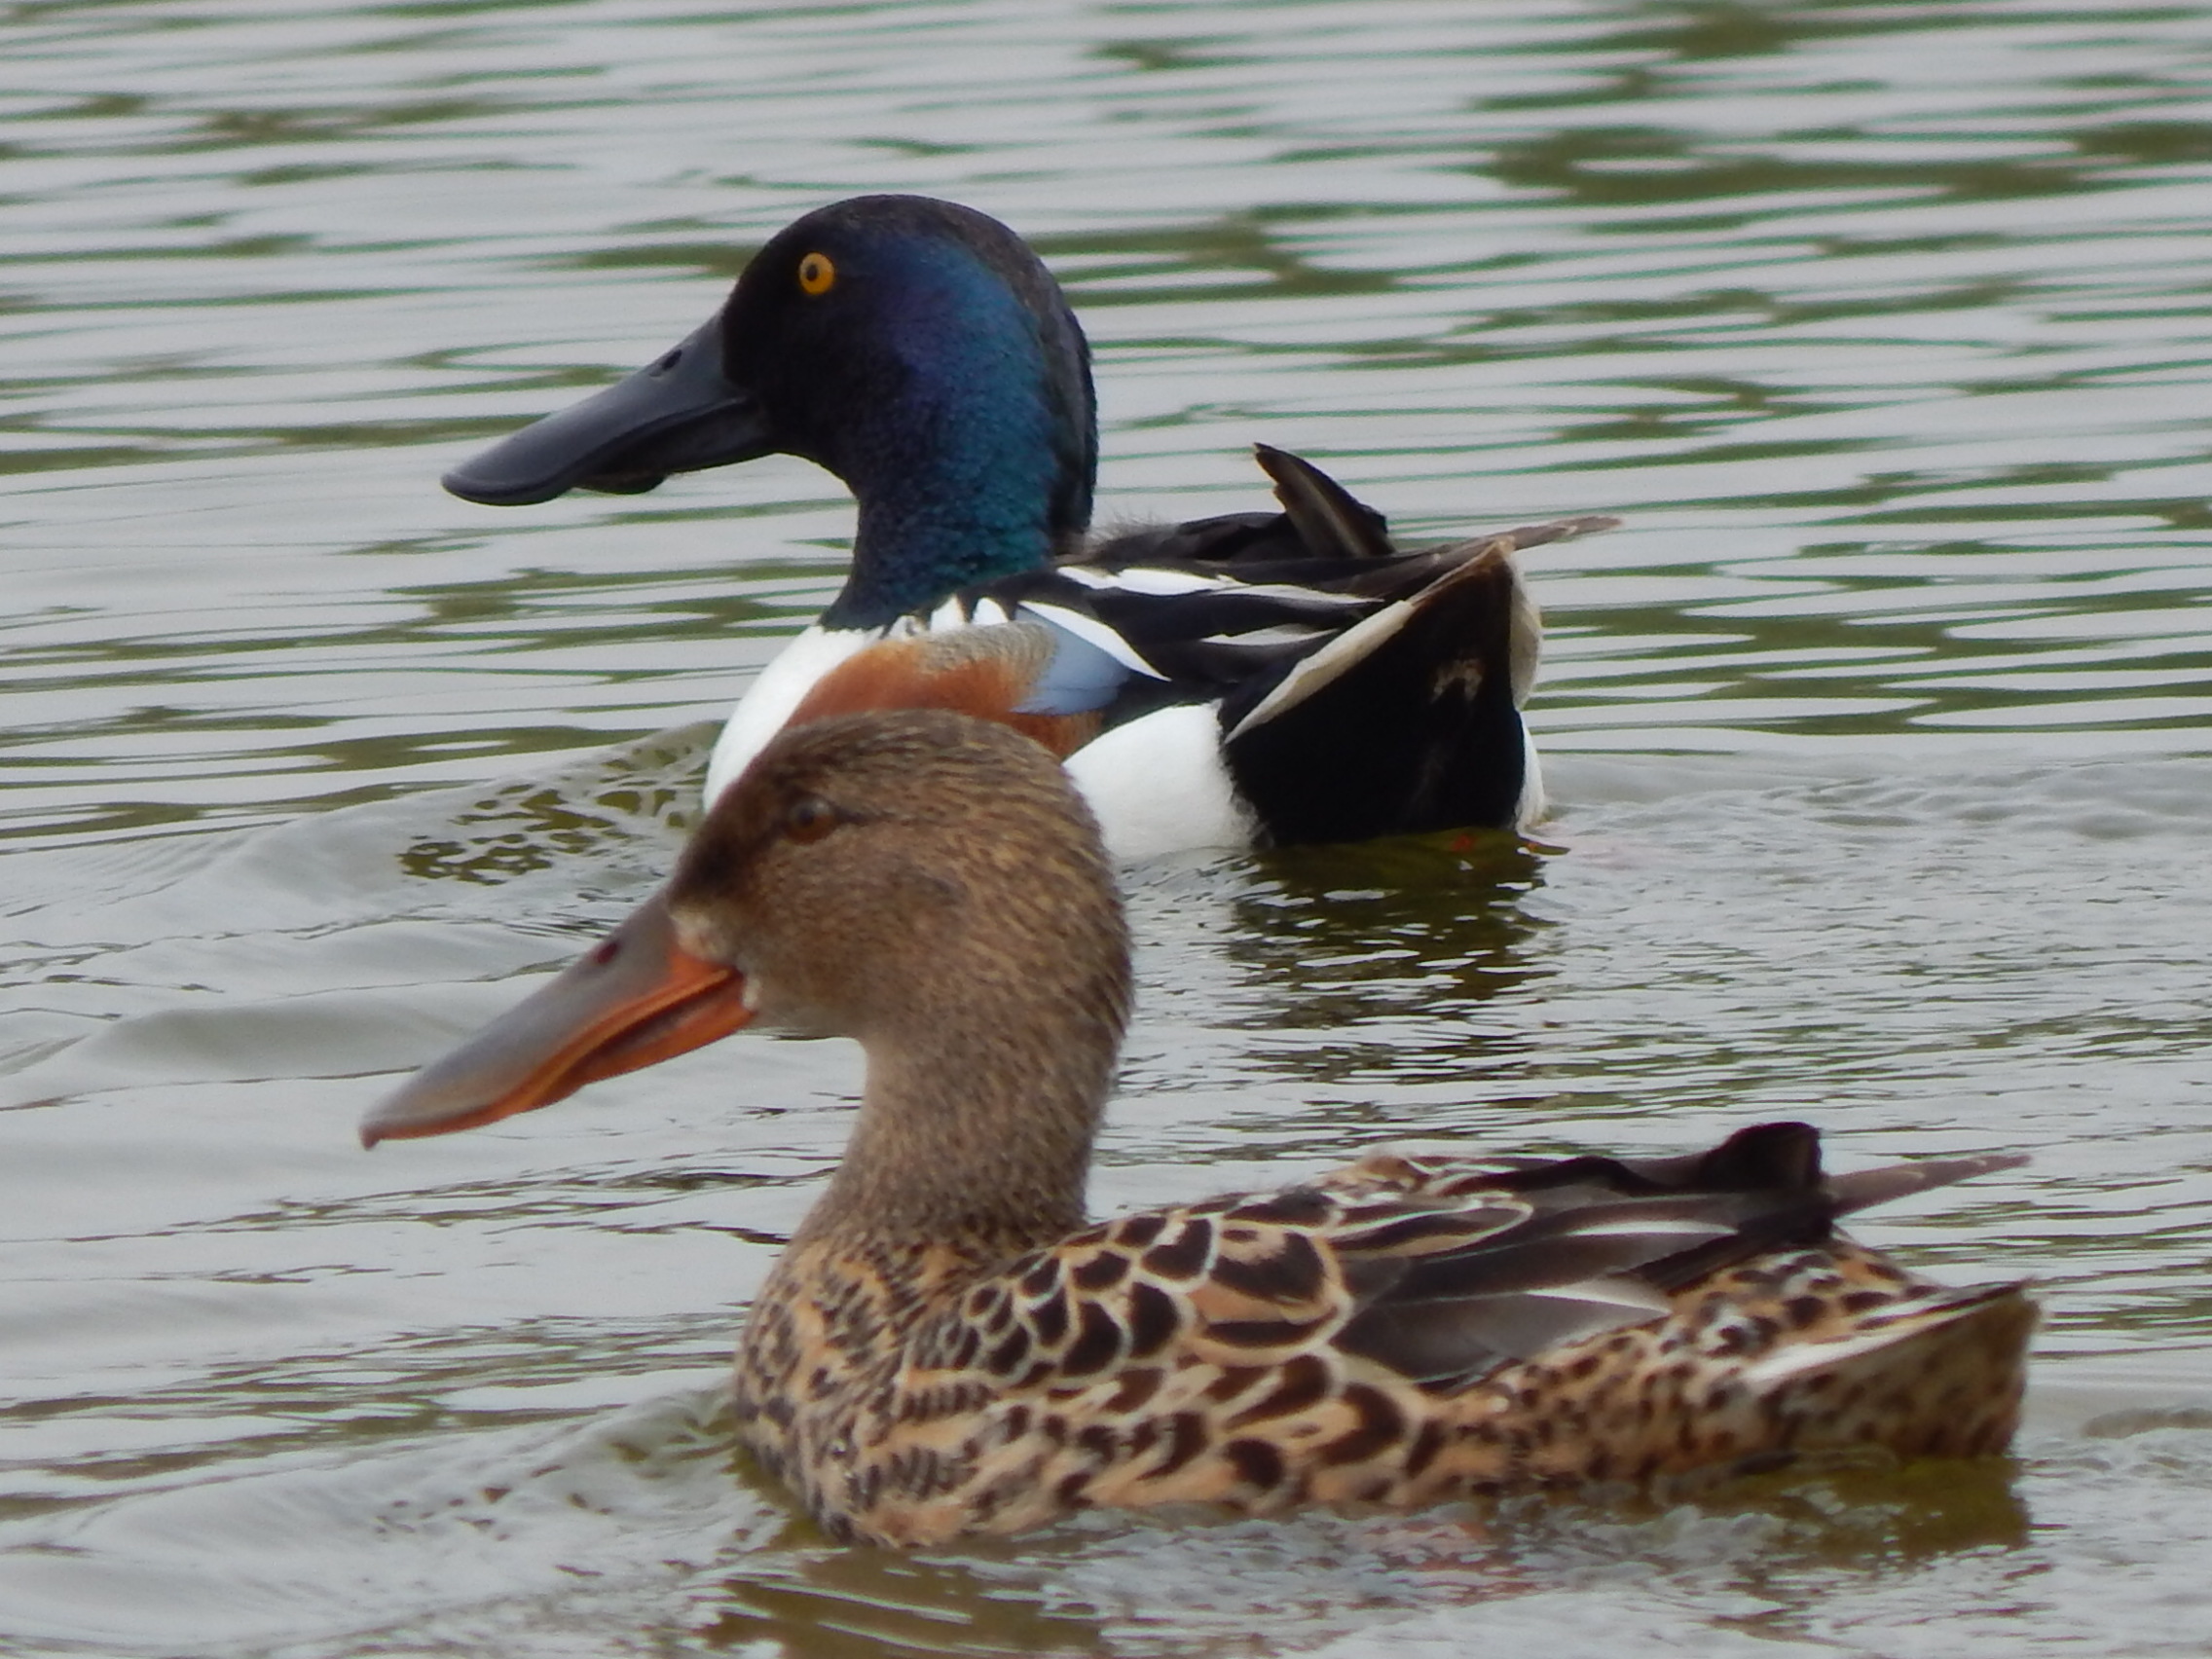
1093,633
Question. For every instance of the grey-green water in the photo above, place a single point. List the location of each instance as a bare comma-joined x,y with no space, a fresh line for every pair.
1878,734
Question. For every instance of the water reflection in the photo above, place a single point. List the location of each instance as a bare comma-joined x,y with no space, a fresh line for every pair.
840,1603
1389,952
1119,1586
591,820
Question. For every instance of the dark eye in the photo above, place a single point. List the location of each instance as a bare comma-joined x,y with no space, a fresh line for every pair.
810,818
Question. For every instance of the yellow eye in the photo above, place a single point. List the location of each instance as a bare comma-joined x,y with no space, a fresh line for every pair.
816,274
810,818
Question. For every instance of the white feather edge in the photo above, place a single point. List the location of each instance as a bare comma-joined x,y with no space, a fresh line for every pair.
1151,581
775,695
1093,633
1640,1227
1326,664
1368,634
1800,1357
814,652
1608,1293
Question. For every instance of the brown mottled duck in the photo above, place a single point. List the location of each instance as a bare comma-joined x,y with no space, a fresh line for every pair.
951,1344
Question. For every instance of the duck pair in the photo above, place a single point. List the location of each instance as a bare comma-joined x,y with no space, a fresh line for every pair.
948,1344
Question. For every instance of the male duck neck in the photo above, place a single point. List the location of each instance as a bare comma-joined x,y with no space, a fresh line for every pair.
925,536
974,452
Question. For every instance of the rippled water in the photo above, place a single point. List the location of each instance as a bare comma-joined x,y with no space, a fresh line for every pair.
1878,733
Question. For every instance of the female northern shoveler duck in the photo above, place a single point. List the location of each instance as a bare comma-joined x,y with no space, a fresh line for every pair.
948,1345
1260,677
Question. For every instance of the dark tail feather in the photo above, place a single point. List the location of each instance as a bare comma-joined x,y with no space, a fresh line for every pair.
1331,521
1410,722
1788,1156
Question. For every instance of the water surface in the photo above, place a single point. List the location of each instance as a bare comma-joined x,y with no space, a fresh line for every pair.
1878,739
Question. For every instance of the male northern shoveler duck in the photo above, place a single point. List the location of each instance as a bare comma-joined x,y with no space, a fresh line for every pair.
948,1345
1258,677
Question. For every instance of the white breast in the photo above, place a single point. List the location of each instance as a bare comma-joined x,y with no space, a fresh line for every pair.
1161,785
769,701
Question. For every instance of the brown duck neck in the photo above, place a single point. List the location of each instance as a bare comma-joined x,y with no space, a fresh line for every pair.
975,1133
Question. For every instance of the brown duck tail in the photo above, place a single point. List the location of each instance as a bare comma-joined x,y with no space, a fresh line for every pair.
1863,1189
1939,1377
1823,1350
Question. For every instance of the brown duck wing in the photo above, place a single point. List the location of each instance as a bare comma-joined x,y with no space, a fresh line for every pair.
1603,1243
1412,1326
1434,1271
1237,1283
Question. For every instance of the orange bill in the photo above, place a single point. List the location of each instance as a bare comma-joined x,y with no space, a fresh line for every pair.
637,999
